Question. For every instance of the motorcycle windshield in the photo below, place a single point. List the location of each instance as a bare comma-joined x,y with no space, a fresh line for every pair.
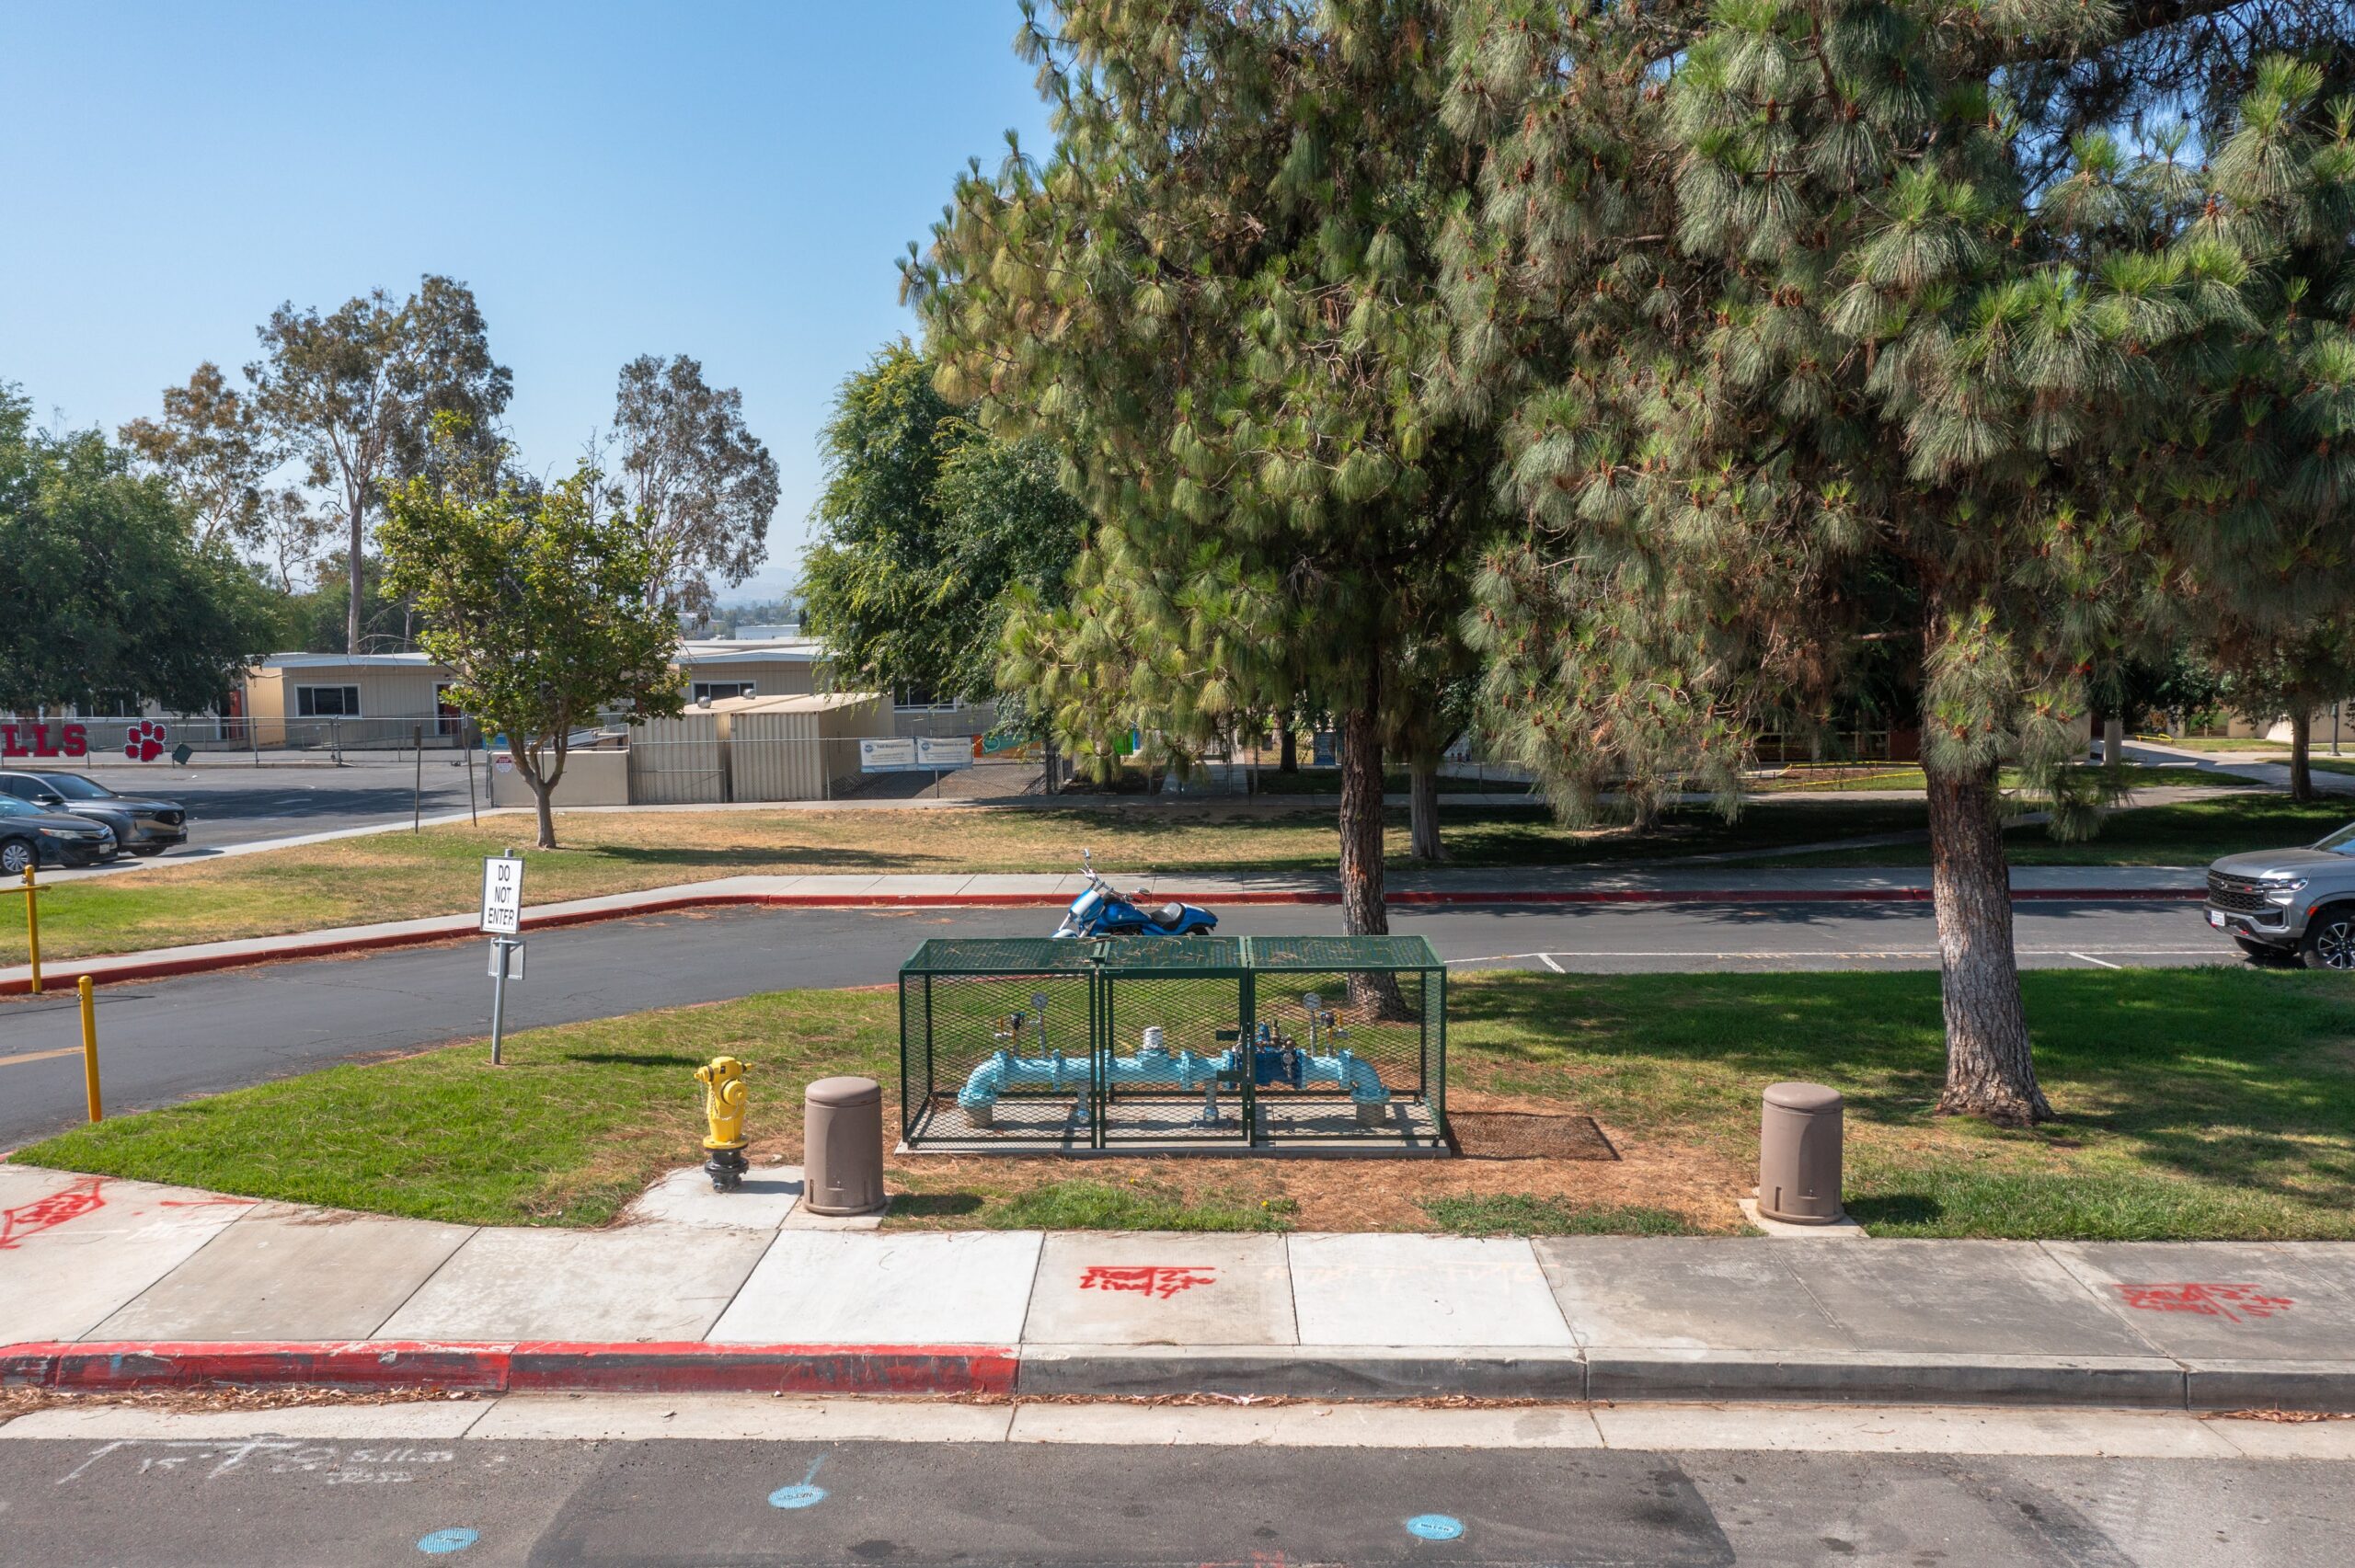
1084,905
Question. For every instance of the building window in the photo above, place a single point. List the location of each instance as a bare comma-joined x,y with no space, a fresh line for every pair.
717,690
918,697
327,702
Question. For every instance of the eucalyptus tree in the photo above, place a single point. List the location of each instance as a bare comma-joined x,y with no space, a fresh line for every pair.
353,396
1809,347
1218,299
213,446
704,486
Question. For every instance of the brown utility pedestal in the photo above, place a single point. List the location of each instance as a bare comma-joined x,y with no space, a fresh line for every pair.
1799,1154
842,1146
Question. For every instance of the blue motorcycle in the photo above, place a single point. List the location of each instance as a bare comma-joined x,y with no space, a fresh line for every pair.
1100,912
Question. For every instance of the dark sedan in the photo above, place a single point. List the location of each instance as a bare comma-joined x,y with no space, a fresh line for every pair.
142,825
29,837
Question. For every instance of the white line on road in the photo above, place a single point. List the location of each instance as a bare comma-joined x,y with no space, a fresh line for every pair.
2091,959
1547,959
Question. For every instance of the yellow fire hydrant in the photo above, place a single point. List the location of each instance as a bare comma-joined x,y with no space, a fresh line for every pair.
723,1107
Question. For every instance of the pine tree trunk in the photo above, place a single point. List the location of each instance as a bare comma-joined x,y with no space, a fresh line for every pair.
2301,737
1287,747
1422,800
2113,740
1363,912
1988,1070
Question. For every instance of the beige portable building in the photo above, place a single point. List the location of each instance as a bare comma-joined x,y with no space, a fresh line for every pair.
370,699
798,747
746,749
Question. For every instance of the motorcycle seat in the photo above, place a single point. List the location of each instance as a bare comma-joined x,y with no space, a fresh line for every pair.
1169,914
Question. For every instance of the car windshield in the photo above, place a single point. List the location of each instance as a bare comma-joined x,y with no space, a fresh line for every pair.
2340,842
11,806
74,786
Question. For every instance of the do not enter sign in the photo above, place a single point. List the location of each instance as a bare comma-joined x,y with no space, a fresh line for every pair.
502,894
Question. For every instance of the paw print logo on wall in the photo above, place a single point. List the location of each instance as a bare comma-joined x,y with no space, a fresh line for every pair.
145,741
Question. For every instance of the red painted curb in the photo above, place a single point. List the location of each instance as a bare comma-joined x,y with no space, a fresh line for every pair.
533,1367
164,968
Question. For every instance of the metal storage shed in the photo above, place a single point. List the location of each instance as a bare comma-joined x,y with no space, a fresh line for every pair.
750,749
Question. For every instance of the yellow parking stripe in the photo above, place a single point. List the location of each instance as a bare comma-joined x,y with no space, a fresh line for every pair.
41,1056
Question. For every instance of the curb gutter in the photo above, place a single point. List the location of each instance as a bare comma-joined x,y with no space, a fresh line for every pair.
105,970
1144,1371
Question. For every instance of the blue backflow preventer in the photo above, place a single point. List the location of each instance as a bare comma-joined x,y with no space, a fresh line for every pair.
1273,1057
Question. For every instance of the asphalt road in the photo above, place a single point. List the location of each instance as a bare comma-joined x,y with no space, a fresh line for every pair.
169,1040
307,1503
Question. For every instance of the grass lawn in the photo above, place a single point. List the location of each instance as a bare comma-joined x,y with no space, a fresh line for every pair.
2208,1102
2190,832
1836,779
402,876
2219,743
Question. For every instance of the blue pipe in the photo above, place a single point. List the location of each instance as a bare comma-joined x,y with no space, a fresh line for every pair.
1005,1072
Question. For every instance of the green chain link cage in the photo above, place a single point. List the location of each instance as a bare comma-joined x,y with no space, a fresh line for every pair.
1166,1044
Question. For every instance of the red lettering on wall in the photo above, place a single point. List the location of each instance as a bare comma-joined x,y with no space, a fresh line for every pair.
8,747
41,748
77,739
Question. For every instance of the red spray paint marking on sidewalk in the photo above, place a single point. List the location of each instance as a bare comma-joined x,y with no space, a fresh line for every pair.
2237,1303
1158,1280
48,1213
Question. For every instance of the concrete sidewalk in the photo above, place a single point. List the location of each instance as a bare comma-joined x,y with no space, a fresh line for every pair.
1559,884
109,1284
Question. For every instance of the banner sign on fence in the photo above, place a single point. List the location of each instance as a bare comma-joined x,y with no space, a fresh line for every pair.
915,754
942,752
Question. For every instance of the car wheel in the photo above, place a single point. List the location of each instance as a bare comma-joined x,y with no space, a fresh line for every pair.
2330,940
16,857
2264,952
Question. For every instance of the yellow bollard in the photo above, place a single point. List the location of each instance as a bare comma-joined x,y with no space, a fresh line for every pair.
90,1050
723,1108
32,923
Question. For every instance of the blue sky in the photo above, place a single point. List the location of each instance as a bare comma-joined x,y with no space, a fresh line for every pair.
729,181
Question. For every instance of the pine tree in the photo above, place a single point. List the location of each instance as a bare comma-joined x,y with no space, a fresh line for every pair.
1218,299
1812,346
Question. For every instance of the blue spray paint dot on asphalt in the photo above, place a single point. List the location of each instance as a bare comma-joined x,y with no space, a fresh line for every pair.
1435,1527
804,1495
441,1543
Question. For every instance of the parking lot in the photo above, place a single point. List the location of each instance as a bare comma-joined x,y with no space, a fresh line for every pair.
233,803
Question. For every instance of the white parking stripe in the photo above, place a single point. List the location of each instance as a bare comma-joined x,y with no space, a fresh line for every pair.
2089,958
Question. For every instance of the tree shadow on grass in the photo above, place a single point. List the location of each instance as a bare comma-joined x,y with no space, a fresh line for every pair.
1895,1209
935,1205
634,1059
2227,1076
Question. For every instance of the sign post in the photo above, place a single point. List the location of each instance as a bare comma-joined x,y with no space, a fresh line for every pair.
502,918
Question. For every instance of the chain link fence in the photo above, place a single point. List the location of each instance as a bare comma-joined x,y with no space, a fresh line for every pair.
1172,1043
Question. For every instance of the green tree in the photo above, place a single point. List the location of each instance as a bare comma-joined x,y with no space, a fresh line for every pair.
353,395
930,531
704,485
537,603
2264,480
1814,343
212,448
1218,300
106,589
